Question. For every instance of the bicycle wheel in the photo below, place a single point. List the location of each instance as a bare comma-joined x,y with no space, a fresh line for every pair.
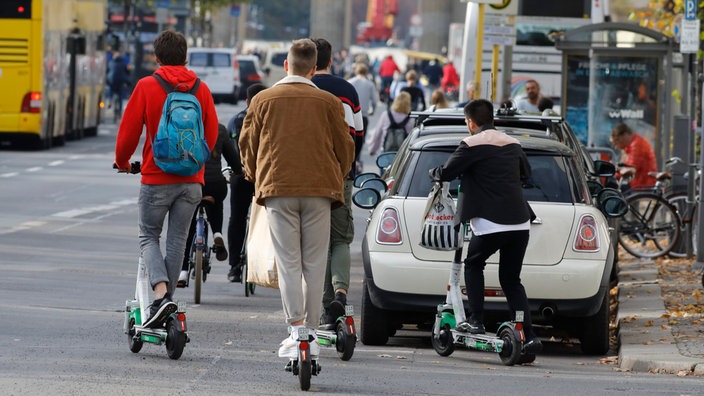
199,275
650,228
679,202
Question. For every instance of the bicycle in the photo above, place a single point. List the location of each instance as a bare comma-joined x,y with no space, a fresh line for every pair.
248,286
687,212
651,227
199,252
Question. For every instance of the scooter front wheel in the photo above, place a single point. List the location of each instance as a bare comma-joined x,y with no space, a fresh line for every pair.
134,343
443,343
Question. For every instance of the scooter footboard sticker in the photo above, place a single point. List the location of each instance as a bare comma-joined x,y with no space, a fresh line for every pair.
349,310
303,334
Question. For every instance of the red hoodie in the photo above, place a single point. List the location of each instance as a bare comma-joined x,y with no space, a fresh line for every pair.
144,109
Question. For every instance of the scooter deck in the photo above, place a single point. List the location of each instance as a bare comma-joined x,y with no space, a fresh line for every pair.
483,342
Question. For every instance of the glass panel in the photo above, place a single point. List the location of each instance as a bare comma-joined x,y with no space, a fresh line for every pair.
221,60
11,9
198,59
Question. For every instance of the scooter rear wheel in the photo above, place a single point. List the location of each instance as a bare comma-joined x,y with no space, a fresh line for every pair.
443,344
135,344
511,352
175,340
305,369
345,342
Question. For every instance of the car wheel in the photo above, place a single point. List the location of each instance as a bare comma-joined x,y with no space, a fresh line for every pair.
595,330
374,324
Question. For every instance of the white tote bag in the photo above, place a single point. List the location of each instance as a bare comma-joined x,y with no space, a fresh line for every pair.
438,231
261,264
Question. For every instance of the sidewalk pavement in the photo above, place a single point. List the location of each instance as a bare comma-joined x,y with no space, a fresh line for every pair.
650,338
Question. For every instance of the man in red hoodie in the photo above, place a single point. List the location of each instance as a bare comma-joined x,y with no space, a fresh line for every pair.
161,192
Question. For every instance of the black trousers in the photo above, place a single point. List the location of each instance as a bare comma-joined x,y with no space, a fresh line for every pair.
512,248
217,190
241,195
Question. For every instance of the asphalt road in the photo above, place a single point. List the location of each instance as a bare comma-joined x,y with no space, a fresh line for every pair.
68,258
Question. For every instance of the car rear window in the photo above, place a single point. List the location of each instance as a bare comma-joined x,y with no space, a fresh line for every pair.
198,59
247,67
221,60
549,181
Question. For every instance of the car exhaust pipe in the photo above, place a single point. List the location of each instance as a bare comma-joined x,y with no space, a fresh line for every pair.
547,311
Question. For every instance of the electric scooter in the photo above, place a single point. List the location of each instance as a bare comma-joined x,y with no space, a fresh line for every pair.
304,365
508,341
173,335
342,335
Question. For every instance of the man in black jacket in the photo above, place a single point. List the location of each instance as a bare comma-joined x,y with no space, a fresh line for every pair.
491,166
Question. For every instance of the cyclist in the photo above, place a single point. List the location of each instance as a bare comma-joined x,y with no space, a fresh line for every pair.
216,187
163,193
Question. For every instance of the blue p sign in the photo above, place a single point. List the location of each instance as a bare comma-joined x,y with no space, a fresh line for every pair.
690,10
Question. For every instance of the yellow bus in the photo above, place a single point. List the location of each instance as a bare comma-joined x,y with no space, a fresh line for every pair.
52,70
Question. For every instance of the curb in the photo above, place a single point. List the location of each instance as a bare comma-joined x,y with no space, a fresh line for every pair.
646,343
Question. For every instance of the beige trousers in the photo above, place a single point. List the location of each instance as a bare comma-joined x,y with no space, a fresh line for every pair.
300,231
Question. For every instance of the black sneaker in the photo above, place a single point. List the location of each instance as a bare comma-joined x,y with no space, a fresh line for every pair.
235,274
337,306
160,310
327,321
533,346
471,326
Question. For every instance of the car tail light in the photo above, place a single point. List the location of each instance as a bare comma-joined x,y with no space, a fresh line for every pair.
32,102
254,77
389,231
587,238
389,184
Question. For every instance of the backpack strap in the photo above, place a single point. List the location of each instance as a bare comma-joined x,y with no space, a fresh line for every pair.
167,87
391,118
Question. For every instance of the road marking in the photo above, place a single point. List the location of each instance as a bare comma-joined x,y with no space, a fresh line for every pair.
34,169
98,208
11,174
23,226
55,163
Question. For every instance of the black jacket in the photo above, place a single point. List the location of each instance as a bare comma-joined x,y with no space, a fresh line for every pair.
491,165
224,147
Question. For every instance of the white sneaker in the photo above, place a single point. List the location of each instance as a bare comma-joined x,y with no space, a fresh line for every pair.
289,346
182,279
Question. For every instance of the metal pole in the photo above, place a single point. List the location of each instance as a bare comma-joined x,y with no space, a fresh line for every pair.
478,59
699,264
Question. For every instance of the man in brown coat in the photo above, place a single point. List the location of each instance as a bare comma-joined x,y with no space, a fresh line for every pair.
296,148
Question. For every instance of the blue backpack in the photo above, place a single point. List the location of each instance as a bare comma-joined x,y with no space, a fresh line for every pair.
179,146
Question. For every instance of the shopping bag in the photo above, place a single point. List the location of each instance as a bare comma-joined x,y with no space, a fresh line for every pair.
438,231
261,264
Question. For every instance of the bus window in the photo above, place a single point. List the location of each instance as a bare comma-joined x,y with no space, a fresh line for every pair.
16,9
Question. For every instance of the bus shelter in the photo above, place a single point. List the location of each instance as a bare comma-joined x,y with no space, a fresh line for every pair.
618,72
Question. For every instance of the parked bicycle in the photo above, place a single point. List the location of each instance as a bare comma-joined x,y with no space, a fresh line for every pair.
651,227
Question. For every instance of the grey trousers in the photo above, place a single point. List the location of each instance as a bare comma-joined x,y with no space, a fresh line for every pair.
300,232
179,201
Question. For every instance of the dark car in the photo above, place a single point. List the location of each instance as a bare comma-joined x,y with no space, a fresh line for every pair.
250,72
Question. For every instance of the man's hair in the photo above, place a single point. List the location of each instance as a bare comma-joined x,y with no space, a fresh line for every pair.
621,129
533,82
302,56
324,53
481,111
411,75
170,48
254,89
